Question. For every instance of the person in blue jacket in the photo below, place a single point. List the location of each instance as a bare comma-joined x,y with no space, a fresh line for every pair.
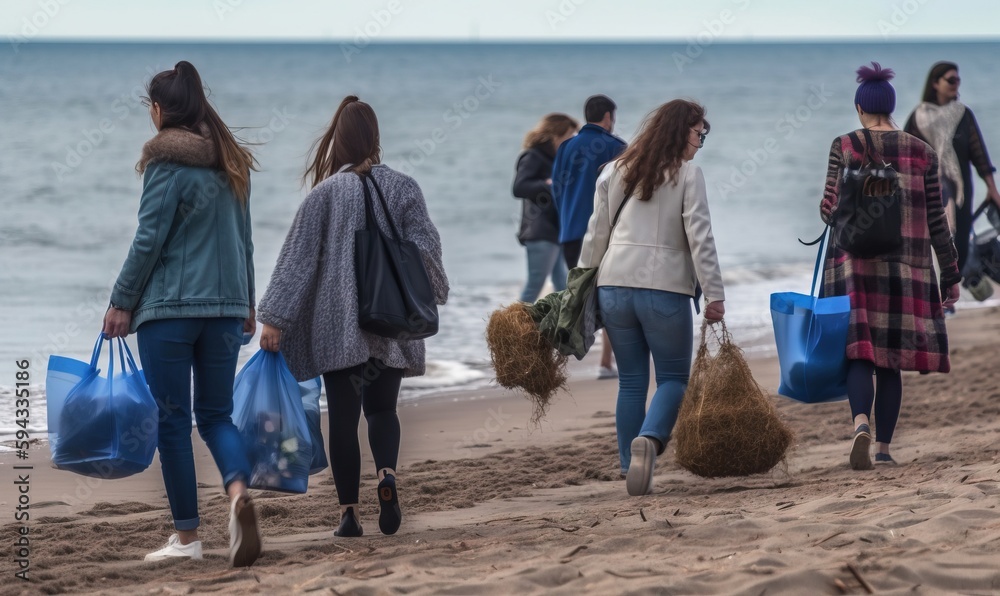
578,163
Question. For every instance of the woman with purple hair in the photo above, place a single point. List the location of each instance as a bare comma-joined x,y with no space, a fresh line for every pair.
897,312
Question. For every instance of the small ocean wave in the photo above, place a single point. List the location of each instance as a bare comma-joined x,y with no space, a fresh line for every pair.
752,274
445,373
37,425
440,375
36,237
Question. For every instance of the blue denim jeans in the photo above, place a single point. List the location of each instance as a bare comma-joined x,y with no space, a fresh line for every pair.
170,350
544,259
641,322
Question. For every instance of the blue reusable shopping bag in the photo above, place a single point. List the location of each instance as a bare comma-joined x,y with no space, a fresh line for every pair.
311,390
268,411
811,336
104,427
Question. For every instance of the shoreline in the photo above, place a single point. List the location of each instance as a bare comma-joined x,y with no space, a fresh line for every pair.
492,505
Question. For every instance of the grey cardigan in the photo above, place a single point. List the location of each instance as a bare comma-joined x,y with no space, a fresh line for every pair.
312,296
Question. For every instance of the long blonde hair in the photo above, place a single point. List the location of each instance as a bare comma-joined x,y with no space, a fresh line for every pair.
550,128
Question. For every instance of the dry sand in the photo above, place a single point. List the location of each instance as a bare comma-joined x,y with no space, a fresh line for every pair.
493,507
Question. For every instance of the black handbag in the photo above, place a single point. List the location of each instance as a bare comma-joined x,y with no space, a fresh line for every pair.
868,221
395,297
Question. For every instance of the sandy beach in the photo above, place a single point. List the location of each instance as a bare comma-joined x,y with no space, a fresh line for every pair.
492,506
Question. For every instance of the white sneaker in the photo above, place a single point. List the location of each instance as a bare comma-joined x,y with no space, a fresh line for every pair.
607,372
174,549
639,478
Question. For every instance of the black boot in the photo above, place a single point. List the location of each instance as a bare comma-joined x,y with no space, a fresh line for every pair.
350,524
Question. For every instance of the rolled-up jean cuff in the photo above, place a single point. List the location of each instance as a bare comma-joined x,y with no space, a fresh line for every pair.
187,524
233,477
661,439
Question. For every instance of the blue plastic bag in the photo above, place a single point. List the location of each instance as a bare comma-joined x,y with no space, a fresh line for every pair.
811,336
311,390
104,427
268,411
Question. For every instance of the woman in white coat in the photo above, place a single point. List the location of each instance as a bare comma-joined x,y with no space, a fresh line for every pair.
657,257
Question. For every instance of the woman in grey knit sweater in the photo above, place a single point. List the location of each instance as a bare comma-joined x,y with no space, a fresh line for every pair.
310,308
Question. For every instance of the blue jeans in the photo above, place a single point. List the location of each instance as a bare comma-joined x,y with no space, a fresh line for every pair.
170,349
544,259
641,322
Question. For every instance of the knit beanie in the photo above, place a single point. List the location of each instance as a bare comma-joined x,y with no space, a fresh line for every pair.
875,95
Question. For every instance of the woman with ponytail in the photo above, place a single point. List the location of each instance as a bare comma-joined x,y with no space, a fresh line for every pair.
310,308
187,290
897,311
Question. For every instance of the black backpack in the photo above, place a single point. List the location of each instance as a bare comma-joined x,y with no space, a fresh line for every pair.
868,221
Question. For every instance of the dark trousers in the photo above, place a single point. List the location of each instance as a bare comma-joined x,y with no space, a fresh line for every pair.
571,252
963,220
963,232
887,393
374,388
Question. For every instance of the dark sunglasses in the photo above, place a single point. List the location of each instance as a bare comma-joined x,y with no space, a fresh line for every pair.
954,80
701,137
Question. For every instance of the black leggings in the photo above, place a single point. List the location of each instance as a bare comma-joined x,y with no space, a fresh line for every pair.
374,387
889,392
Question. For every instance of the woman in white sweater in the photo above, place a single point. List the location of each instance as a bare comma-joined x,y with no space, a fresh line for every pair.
651,236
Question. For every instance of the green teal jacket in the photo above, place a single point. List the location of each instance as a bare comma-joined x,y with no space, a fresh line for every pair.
192,256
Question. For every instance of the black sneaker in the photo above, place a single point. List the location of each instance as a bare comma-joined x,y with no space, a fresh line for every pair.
390,516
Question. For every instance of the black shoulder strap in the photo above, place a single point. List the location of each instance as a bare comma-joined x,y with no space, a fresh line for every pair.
370,207
870,149
618,213
370,222
857,145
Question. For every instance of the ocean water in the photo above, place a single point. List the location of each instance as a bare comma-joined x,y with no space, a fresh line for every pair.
451,115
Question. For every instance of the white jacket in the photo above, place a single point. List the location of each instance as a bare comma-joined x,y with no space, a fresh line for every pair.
664,243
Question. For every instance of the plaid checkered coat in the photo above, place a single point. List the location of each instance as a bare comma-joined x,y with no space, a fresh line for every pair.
897,320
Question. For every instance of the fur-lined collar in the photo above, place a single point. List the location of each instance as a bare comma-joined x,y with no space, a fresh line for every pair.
176,145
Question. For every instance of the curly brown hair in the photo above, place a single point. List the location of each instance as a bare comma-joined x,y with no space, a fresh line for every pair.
657,153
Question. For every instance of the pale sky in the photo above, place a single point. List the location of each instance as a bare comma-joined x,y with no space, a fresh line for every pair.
499,20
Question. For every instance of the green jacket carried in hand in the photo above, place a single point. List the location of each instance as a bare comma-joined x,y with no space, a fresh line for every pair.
569,319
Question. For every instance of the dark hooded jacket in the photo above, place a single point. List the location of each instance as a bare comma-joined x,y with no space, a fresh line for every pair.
539,218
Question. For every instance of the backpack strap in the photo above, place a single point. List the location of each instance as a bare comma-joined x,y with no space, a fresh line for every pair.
870,150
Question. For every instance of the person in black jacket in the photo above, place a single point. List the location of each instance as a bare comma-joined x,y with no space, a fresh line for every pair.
539,232
949,127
